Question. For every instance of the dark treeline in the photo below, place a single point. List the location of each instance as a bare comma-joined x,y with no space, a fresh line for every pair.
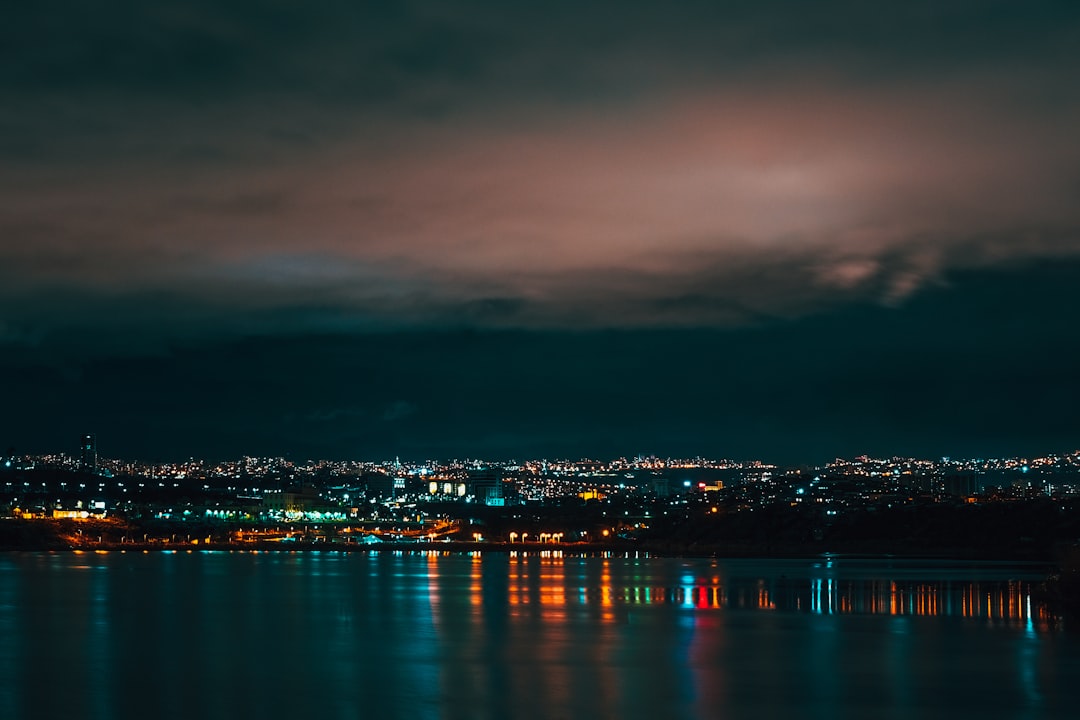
1030,529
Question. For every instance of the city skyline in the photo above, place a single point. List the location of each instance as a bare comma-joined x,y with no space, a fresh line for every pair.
375,229
86,459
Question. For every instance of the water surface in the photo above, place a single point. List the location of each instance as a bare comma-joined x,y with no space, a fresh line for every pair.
426,635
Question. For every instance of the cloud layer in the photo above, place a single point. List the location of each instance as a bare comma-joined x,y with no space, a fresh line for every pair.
175,171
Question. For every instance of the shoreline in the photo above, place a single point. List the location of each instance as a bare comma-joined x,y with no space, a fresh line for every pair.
18,535
569,549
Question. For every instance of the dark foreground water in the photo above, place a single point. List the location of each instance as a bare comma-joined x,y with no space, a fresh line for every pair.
424,635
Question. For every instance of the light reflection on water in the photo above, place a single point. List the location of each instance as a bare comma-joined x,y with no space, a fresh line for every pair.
526,634
549,580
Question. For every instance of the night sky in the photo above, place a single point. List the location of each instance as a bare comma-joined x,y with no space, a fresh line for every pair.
778,230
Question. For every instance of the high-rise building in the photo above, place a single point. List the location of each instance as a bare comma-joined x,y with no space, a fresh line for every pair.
88,459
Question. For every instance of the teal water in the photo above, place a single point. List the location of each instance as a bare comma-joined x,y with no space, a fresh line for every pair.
426,635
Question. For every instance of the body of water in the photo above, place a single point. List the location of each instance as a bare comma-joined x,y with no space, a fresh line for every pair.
528,635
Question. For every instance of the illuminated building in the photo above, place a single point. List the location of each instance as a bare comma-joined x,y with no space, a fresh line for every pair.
88,460
488,486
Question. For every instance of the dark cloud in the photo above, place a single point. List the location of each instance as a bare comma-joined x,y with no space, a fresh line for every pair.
184,176
966,369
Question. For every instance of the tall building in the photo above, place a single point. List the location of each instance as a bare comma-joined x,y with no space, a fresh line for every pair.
487,485
88,458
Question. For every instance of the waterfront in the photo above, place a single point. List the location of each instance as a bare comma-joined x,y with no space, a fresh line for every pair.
538,634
